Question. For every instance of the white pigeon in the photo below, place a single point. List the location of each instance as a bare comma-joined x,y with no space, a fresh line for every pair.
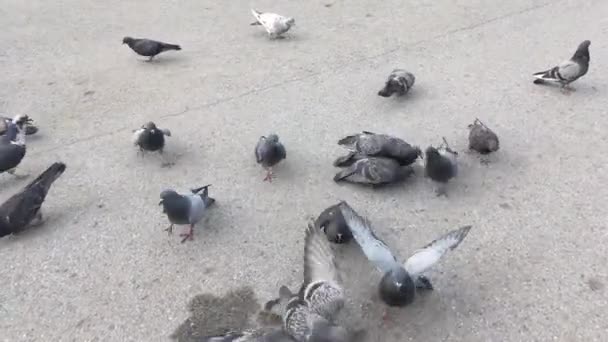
274,24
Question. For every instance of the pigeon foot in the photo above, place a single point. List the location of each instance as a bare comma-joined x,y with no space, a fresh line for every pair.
268,176
169,229
189,235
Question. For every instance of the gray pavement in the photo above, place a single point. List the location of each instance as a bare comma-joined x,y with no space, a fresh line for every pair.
532,269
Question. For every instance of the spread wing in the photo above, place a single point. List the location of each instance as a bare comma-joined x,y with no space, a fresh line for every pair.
322,288
374,249
425,258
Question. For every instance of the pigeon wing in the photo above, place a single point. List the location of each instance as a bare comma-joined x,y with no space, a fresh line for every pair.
569,70
260,147
425,258
374,249
321,289
137,136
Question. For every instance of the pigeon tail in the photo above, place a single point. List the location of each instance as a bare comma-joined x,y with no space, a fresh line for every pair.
49,176
343,174
346,160
171,47
349,140
551,74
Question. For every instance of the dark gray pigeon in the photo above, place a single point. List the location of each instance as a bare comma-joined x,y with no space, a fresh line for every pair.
374,171
12,145
482,139
186,209
331,222
23,210
368,144
5,121
150,138
255,335
568,71
269,151
309,314
399,82
441,165
399,281
148,47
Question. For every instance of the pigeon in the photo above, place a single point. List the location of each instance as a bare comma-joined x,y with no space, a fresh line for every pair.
269,152
186,209
374,171
5,121
441,165
399,282
482,139
568,71
12,145
308,315
148,47
275,24
399,82
331,222
150,138
254,335
23,210
368,144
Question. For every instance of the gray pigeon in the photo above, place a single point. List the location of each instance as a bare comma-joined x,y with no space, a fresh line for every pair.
256,335
399,281
399,82
269,151
568,71
276,25
374,171
186,209
482,139
308,315
5,121
331,222
12,144
151,138
368,144
148,47
23,210
441,165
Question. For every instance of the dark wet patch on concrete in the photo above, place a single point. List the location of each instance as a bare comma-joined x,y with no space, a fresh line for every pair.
212,315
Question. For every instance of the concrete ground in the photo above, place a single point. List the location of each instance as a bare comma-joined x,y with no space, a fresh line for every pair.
102,269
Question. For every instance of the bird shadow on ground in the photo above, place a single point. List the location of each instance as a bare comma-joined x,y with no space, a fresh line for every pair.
281,40
213,315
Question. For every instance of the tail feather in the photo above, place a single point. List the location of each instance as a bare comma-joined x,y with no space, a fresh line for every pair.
47,178
340,176
171,47
348,140
547,74
346,160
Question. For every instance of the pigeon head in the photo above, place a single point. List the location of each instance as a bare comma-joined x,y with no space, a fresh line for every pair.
582,52
127,40
397,288
21,120
149,126
432,153
419,152
290,22
167,195
392,86
273,138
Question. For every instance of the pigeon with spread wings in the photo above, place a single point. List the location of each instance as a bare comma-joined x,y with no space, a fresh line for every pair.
308,315
399,281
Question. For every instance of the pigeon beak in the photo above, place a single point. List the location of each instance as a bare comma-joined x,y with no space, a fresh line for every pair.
161,202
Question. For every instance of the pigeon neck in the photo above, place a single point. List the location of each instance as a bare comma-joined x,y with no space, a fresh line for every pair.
20,137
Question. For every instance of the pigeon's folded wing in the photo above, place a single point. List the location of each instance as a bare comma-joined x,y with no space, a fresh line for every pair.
425,258
569,70
22,207
374,249
137,135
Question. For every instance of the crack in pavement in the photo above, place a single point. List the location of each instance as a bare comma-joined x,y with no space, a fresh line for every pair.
311,74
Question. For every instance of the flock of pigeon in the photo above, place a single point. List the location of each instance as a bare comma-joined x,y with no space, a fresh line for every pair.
373,159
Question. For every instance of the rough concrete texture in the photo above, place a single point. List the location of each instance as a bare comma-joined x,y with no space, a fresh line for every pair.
101,269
